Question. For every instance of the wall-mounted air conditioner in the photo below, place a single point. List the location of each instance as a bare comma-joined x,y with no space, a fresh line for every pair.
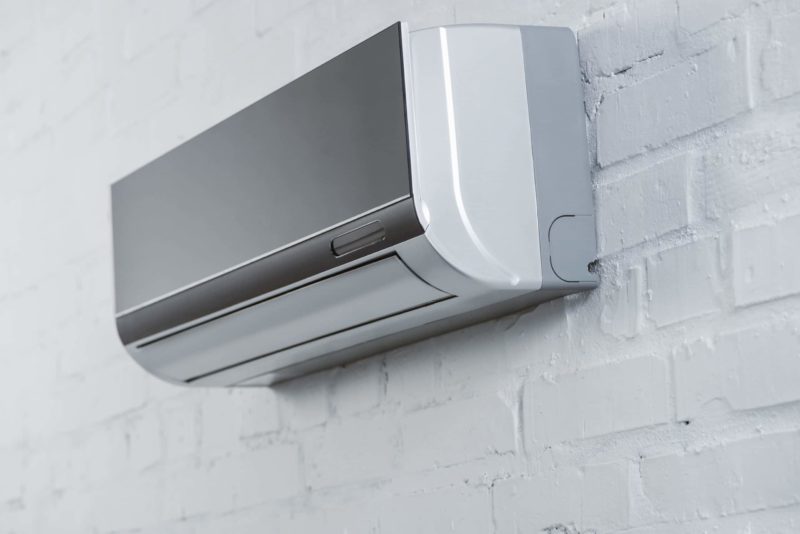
417,183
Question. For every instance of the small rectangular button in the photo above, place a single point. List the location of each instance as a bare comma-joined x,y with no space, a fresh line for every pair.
361,237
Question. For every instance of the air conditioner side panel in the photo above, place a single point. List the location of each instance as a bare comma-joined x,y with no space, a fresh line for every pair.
560,152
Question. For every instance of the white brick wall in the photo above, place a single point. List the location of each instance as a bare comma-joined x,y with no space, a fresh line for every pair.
596,400
663,188
666,401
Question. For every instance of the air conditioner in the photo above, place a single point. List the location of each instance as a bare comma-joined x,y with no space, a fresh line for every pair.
416,183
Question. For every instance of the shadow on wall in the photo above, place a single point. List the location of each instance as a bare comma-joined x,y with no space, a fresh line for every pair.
478,359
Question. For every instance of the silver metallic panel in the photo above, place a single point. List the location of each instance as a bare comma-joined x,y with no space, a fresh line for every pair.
259,278
356,297
323,149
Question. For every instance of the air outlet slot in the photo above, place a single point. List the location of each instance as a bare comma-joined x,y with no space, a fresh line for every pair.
357,297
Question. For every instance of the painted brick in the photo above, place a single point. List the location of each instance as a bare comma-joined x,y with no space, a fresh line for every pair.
304,402
412,379
755,165
628,33
12,420
220,424
66,26
694,95
265,475
741,370
462,510
746,475
147,82
357,516
596,401
117,389
269,14
464,366
541,337
350,451
644,206
259,411
68,512
146,24
696,16
240,481
20,69
81,346
593,497
358,387
765,262
193,53
91,458
457,432
621,315
76,80
12,465
779,521
180,421
226,416
683,282
226,26
199,5
780,75
22,123
17,23
120,506
143,440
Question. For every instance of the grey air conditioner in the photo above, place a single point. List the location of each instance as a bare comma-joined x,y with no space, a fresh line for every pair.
416,183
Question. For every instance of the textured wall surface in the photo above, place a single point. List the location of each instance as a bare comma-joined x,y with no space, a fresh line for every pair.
668,400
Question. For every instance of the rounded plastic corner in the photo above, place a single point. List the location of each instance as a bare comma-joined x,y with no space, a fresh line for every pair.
572,248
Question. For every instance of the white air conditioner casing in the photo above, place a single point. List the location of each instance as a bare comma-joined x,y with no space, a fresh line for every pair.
417,183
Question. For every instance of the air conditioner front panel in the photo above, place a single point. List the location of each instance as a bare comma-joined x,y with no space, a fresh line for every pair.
327,148
261,278
365,294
